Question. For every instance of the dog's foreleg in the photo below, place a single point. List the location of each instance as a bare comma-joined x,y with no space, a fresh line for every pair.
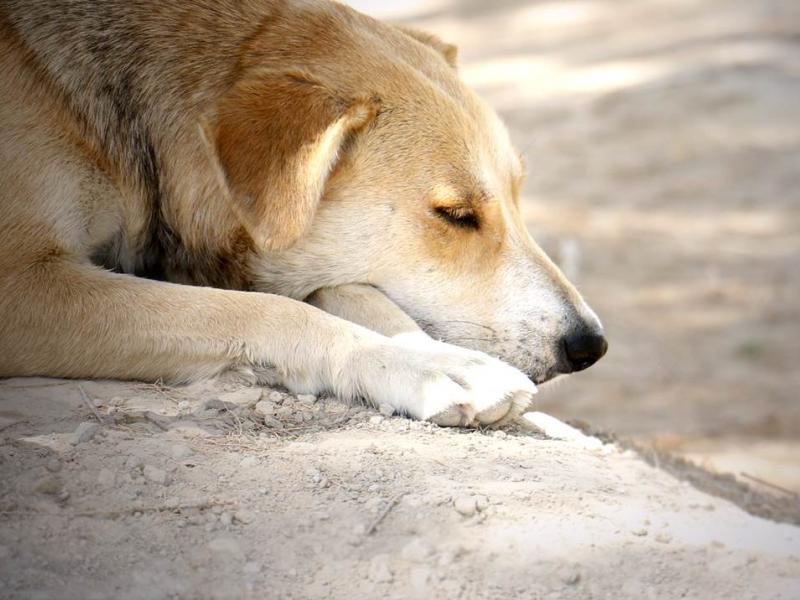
365,305
64,318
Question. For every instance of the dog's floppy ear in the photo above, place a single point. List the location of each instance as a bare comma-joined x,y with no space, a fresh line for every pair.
278,136
449,51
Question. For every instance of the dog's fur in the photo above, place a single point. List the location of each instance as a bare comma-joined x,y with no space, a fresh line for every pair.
175,178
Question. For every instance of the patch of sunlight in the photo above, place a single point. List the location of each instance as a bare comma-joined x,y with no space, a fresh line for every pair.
531,77
550,15
611,220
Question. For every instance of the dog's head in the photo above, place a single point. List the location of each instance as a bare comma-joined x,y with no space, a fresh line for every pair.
356,154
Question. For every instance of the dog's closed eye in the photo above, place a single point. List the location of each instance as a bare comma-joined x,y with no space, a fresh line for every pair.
460,216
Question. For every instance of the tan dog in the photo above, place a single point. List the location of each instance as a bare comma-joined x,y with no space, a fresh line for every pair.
175,178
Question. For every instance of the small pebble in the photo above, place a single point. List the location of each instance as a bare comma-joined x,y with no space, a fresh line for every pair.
306,398
387,410
53,465
265,408
48,485
226,519
243,397
181,451
481,503
244,516
376,419
639,532
276,396
663,538
84,432
465,505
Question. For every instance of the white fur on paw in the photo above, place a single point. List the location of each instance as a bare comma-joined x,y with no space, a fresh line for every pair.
447,385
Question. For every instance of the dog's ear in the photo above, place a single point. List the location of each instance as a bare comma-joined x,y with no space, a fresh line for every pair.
448,51
277,137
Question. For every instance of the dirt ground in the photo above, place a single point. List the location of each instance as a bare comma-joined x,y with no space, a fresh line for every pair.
187,493
663,144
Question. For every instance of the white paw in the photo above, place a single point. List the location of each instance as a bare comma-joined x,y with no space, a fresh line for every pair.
445,384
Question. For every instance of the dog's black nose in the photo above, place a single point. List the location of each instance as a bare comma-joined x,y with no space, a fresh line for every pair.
584,347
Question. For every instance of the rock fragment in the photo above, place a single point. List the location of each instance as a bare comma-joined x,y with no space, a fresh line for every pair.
243,397
48,485
84,433
465,505
181,451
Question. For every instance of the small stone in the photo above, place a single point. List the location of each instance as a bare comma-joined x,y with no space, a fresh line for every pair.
306,398
376,419
417,550
379,570
244,516
48,485
244,397
156,475
265,408
181,451
273,423
387,410
106,478
84,432
639,532
53,465
226,519
276,397
481,503
465,505
184,406
663,538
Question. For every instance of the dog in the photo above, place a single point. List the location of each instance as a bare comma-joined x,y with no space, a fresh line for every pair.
288,188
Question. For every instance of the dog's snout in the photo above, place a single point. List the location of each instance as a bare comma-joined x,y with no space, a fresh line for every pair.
584,347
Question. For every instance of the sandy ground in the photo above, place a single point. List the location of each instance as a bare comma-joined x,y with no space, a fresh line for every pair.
186,493
663,142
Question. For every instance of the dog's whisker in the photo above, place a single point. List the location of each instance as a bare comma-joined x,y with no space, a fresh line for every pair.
472,323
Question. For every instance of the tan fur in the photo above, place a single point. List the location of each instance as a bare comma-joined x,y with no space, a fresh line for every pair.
167,168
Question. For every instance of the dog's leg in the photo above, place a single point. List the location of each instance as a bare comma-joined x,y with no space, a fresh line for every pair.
369,307
69,319
366,306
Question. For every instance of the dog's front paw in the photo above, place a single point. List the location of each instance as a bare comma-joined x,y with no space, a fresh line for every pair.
445,384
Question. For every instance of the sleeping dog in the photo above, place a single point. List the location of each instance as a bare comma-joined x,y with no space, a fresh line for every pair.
176,179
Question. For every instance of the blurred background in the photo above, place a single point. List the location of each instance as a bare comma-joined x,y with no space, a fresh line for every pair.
663,147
